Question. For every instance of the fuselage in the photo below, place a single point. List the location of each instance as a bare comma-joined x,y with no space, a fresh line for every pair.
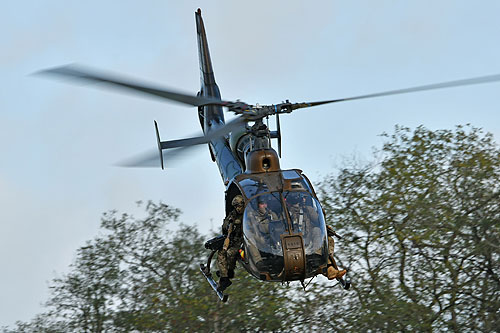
291,244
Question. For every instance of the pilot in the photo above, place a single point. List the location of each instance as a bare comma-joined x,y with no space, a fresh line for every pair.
262,215
259,223
232,229
303,216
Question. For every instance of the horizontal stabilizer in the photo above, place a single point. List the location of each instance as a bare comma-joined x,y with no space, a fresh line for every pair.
215,134
184,142
178,148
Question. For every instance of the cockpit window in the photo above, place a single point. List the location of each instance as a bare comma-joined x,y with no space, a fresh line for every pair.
290,174
298,184
265,222
294,181
306,217
252,187
287,180
270,216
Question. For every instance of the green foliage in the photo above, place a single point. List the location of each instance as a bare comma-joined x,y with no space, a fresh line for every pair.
421,239
140,276
424,229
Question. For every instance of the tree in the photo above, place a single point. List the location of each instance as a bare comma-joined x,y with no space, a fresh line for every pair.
421,232
139,276
423,227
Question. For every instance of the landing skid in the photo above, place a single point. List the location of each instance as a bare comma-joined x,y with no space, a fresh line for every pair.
205,269
346,284
206,272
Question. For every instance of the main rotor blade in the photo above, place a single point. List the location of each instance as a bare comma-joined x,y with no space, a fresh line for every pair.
151,158
449,84
86,75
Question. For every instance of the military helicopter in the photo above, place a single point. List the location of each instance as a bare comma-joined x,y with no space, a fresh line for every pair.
249,166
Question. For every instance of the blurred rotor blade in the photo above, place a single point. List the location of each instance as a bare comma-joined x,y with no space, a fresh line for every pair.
87,75
449,84
151,158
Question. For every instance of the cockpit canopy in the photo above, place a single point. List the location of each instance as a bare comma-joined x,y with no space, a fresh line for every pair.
279,205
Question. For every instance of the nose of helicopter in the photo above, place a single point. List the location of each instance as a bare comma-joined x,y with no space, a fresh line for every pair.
294,258
288,260
284,233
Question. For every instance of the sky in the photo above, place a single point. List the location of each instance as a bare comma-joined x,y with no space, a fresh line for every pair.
59,141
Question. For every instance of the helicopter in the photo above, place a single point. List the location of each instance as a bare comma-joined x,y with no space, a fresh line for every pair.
249,166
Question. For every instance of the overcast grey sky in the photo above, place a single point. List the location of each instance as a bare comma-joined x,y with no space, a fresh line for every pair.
59,141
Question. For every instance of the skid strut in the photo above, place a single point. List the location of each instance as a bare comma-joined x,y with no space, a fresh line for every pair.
205,270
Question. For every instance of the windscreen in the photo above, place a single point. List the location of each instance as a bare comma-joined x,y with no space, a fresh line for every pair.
263,224
306,218
266,219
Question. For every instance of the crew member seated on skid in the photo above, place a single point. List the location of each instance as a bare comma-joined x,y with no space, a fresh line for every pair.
232,229
333,272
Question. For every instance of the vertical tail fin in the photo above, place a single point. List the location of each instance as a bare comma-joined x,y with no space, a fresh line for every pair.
207,77
212,116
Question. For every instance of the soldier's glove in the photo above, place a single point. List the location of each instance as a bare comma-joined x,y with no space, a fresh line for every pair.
226,244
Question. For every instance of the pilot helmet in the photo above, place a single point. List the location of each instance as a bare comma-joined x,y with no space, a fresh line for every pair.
294,198
238,201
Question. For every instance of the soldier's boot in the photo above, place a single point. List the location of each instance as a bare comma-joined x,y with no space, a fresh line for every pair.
333,273
224,282
230,273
